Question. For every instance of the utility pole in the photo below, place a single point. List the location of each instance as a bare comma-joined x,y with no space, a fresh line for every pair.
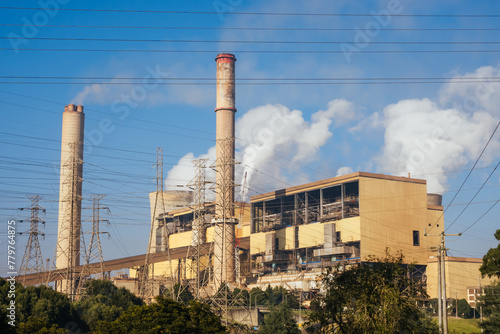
440,299
480,306
32,260
442,305
443,284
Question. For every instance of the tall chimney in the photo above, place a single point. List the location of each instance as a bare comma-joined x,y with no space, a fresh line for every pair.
225,110
224,233
70,194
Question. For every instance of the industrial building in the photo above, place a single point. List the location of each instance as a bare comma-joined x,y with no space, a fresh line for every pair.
291,235
307,228
463,279
286,237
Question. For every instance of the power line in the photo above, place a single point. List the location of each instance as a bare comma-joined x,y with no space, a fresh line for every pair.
243,84
105,113
251,13
252,42
468,175
465,208
214,80
254,51
247,28
484,214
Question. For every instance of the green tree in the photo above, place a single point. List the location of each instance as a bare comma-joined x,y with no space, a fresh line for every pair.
279,321
464,309
38,310
490,301
273,297
240,297
165,316
180,293
103,301
378,297
491,261
256,297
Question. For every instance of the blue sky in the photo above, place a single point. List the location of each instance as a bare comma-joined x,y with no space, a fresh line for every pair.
433,128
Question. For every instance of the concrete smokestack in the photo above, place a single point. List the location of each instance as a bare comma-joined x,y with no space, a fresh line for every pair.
224,233
225,110
70,191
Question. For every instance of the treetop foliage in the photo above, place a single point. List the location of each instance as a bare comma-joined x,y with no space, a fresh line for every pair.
491,261
279,321
165,316
377,297
39,309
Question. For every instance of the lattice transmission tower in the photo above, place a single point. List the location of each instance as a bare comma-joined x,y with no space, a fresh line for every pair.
32,261
199,252
67,252
147,275
93,254
225,248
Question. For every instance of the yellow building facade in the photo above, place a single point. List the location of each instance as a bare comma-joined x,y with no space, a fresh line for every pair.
462,275
338,221
346,218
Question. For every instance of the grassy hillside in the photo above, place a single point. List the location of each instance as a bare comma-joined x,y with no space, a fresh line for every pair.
460,326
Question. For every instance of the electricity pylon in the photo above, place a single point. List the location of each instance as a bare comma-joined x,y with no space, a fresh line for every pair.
93,253
32,261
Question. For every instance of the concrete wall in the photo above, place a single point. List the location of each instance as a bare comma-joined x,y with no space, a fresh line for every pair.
311,235
349,228
248,316
258,242
390,211
161,202
182,239
460,273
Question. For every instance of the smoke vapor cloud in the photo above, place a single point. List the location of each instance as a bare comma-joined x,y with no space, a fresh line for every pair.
427,138
423,137
271,140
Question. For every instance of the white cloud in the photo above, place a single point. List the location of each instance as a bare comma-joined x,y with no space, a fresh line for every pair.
422,138
182,173
371,122
472,96
146,89
341,110
344,171
112,93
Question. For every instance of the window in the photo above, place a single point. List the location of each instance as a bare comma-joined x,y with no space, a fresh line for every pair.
416,238
338,237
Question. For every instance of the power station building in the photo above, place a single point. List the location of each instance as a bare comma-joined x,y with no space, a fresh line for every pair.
287,237
284,237
346,218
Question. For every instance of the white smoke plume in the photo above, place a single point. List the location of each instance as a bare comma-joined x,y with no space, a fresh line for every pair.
181,174
95,89
271,140
427,138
